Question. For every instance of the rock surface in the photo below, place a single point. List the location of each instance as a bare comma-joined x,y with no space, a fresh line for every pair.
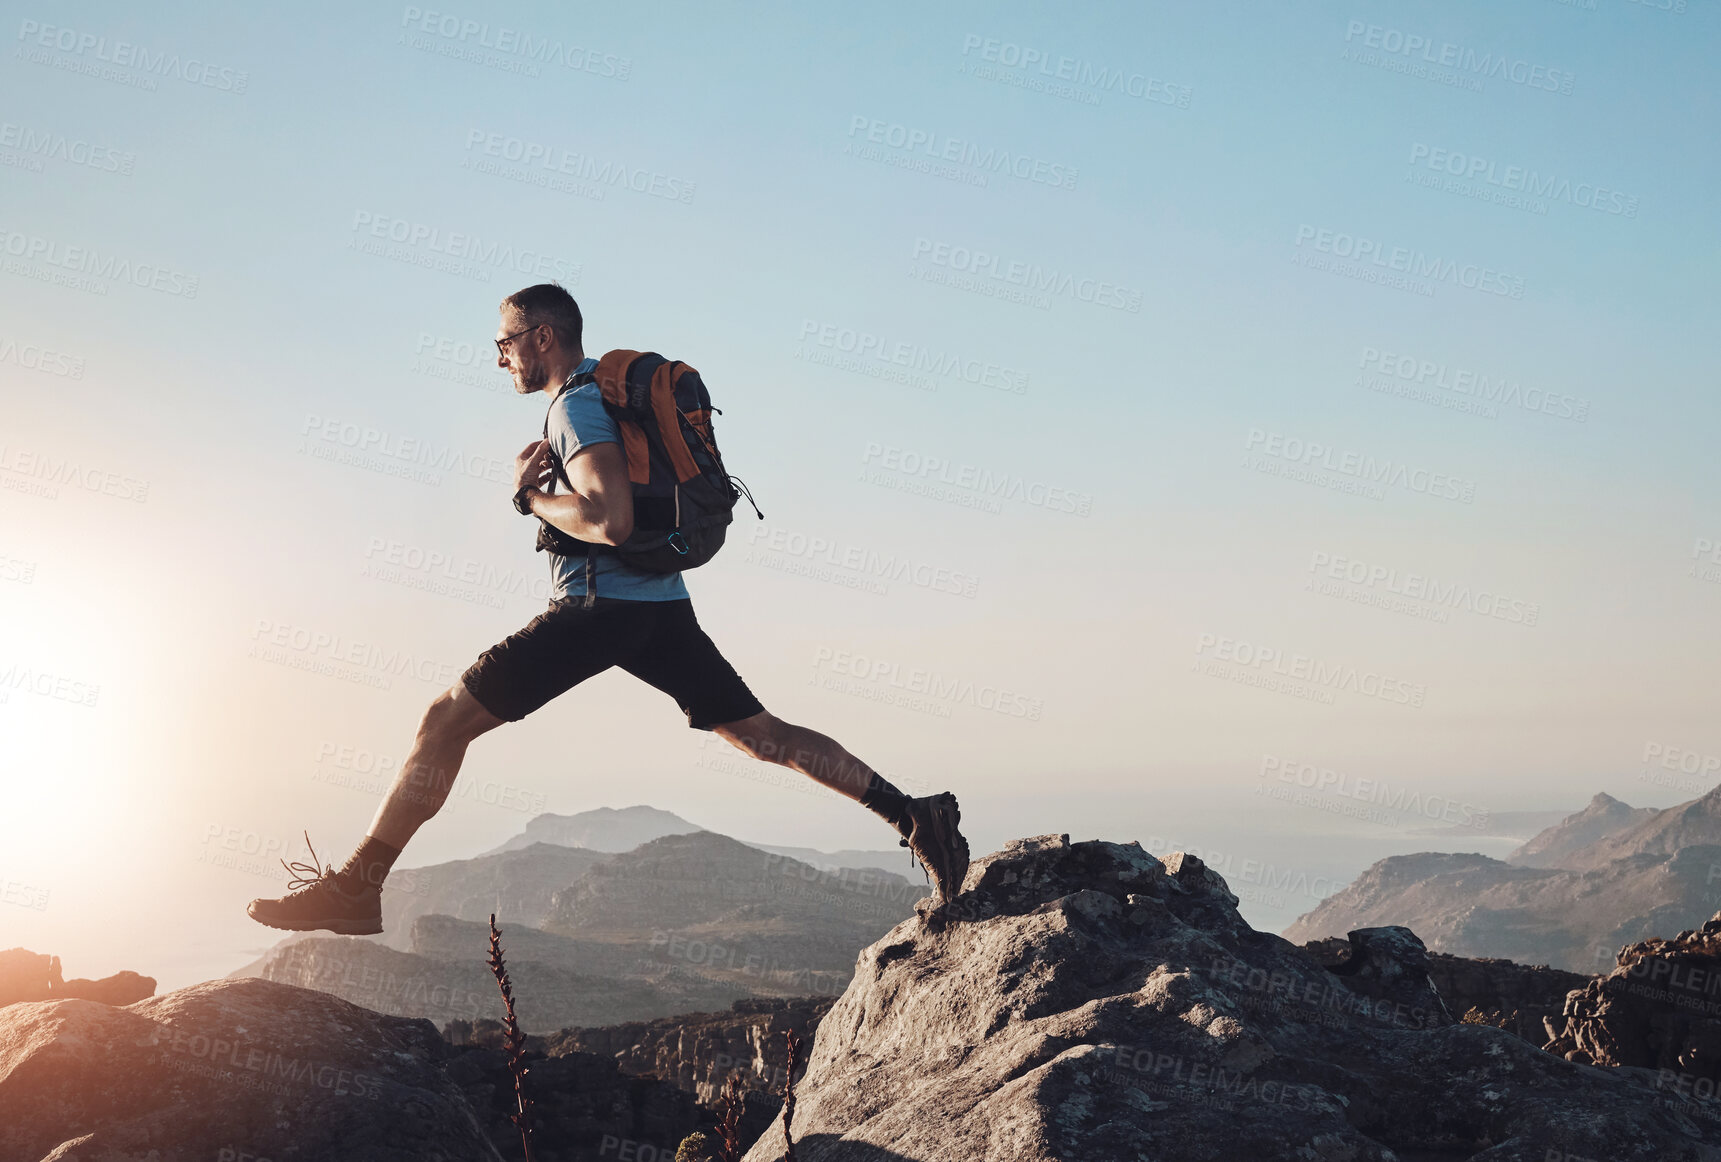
237,1065
251,1070
584,1108
1520,998
698,1052
1660,1009
1090,1002
34,976
26,975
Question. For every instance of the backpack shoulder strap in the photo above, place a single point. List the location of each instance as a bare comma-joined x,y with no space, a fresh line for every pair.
611,376
579,379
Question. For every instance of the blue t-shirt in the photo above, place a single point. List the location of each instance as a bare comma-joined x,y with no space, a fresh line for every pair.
578,420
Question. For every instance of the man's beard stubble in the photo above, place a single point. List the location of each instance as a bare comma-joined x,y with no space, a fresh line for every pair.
532,377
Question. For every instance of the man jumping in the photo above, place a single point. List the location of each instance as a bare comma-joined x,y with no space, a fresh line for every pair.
640,621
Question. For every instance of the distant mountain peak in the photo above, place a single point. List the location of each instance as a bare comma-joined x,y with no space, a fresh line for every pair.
1572,838
607,829
1569,896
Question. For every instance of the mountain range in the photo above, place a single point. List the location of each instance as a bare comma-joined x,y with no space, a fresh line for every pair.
1571,896
684,920
1077,1001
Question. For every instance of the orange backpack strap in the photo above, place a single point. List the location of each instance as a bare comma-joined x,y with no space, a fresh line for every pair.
638,452
668,420
611,375
611,378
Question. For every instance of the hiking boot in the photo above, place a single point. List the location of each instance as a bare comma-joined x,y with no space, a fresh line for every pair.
319,899
934,840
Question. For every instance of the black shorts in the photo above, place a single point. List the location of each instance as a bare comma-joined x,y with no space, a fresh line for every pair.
658,642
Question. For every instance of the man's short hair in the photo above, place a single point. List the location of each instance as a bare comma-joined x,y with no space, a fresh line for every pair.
548,303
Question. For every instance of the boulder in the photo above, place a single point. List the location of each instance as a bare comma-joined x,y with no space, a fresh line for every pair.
33,976
1519,998
1660,1009
120,989
246,1067
1087,1001
26,975
698,1052
1505,994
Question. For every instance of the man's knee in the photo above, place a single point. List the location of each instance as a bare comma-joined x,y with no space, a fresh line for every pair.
456,716
760,737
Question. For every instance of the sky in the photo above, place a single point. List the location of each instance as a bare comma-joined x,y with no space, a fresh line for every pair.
1269,432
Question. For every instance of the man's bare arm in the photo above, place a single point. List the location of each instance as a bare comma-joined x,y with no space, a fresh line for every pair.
599,506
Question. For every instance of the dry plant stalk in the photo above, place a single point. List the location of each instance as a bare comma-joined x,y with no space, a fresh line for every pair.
729,1127
513,1041
794,1044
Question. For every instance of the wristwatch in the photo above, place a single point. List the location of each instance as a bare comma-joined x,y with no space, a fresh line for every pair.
522,499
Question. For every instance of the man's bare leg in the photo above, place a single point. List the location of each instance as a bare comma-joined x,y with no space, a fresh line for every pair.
929,826
818,756
349,900
421,788
448,727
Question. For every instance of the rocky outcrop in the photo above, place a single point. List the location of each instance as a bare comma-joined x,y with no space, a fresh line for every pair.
251,1070
1081,1001
231,1065
584,1108
698,1052
1474,906
34,976
1505,994
1520,998
1090,1002
1659,1009
26,975
122,988
1604,817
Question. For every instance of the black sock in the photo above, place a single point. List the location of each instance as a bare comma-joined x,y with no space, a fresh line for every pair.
886,802
370,864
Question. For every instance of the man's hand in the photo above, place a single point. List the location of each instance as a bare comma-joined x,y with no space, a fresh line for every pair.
598,505
532,466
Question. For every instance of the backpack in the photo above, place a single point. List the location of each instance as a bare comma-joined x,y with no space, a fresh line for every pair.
683,498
